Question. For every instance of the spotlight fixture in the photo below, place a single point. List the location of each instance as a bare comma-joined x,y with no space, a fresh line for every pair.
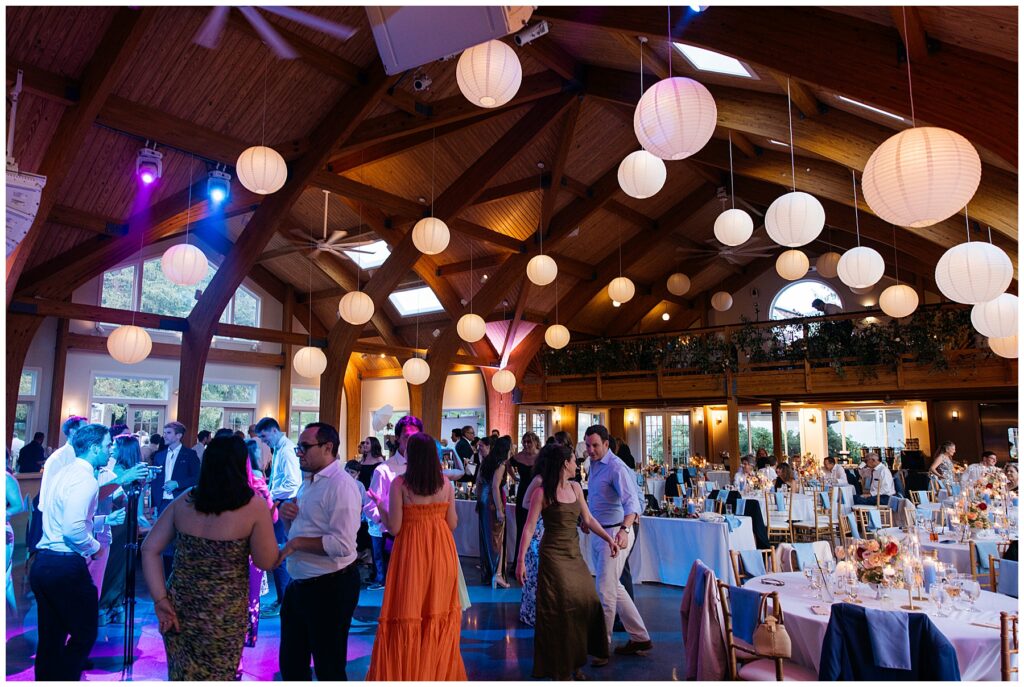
484,278
665,316
149,165
218,186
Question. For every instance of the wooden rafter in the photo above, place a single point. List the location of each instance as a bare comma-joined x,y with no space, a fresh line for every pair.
915,40
517,317
547,205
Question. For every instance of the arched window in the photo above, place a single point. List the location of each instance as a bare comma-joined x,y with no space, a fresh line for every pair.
794,300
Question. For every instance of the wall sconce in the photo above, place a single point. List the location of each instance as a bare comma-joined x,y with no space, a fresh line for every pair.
919,417
700,418
813,419
556,416
718,418
632,419
956,416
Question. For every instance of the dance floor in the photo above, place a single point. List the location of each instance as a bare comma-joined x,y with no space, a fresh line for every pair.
495,644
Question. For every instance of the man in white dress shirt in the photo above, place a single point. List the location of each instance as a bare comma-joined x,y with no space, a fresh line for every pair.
834,471
202,441
285,478
877,480
975,471
321,555
66,597
60,458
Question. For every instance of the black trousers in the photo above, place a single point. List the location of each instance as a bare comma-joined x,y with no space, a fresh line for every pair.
315,620
68,608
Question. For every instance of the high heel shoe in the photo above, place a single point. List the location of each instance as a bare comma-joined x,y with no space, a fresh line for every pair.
496,582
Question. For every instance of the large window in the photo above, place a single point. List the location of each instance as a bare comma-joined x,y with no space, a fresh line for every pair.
794,300
305,409
25,411
138,402
756,432
666,438
144,388
531,420
857,430
227,404
587,418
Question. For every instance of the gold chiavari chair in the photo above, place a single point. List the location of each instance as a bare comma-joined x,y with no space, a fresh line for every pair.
780,527
1008,647
771,563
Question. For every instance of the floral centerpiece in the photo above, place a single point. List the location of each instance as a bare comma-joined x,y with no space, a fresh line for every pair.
976,516
756,481
871,557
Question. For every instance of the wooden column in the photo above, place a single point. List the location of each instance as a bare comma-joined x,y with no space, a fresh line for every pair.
21,329
60,360
777,429
284,394
734,433
617,422
353,409
416,408
501,411
570,421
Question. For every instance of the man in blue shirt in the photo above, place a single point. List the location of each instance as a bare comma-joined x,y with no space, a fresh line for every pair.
613,499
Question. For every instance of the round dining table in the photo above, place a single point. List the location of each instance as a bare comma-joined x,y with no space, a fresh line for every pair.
974,636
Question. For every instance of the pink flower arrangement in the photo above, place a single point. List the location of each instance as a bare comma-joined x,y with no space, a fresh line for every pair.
872,555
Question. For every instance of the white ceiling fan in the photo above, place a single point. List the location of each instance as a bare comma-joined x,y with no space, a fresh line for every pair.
755,247
331,243
209,33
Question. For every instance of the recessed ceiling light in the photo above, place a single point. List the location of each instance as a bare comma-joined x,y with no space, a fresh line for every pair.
665,316
710,61
870,107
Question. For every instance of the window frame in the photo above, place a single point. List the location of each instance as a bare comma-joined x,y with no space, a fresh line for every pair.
841,410
167,379
667,449
791,285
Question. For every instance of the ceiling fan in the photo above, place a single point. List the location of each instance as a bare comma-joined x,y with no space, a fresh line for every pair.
328,243
209,33
736,255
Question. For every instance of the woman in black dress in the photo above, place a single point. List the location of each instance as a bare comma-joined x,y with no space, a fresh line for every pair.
521,466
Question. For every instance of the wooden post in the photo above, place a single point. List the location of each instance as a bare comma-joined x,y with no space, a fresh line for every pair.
284,393
353,409
777,429
617,422
60,360
416,408
21,329
733,408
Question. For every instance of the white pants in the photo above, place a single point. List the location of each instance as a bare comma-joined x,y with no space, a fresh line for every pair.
610,591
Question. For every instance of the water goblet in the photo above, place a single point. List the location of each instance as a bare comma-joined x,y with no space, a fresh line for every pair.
971,589
809,574
728,509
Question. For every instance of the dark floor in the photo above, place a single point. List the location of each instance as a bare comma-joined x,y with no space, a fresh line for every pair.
495,645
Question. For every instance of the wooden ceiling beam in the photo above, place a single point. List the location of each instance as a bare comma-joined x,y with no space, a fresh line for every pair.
44,84
549,53
528,184
907,21
82,219
517,317
803,98
547,204
337,270
479,263
98,344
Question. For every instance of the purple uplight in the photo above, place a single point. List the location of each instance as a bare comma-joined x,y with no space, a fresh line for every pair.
147,177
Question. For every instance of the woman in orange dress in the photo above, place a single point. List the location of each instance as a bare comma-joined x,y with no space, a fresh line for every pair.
418,630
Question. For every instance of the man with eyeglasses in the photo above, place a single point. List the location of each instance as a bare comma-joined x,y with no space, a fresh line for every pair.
285,479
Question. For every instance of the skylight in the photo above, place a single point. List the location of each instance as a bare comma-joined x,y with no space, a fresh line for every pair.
870,107
374,255
415,301
709,61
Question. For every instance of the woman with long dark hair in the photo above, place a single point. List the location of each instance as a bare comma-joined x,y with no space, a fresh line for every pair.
257,578
491,497
521,466
203,608
420,620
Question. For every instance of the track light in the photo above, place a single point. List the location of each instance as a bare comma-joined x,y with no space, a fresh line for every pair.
218,186
149,165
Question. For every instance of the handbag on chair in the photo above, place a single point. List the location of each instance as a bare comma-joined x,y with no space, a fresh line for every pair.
770,636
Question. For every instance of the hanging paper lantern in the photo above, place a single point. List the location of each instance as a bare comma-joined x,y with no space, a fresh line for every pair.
184,264
541,270
430,236
973,272
860,267
416,371
489,74
641,174
129,344
678,284
309,362
675,118
862,291
921,176
792,264
899,300
355,307
733,227
621,289
1004,347
261,170
556,336
721,301
503,381
471,327
827,264
794,219
996,318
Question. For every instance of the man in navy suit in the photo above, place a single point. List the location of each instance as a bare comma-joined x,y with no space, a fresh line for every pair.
180,468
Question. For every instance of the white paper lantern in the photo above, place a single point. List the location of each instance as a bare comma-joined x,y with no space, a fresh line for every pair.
899,300
355,307
184,264
261,170
860,267
430,236
733,227
675,118
503,381
921,176
471,327
556,336
641,174
794,219
827,264
862,291
678,284
129,344
489,74
541,270
721,301
621,289
309,362
416,371
1004,347
973,272
996,318
792,264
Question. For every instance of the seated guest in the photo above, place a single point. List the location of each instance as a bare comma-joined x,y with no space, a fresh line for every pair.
975,471
761,459
674,483
786,477
834,471
877,480
1011,476
32,456
768,471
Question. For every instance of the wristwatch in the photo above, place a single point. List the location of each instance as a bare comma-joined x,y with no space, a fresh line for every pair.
623,528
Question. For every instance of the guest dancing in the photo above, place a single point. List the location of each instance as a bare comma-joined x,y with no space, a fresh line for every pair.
521,466
203,609
257,576
15,505
492,497
570,618
285,478
370,456
418,631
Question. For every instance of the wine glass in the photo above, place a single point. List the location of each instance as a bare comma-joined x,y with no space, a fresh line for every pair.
971,589
728,509
851,589
939,597
809,574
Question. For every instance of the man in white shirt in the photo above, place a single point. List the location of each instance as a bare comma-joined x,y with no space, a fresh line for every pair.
321,554
768,471
266,455
877,481
285,478
67,599
202,441
975,471
60,458
834,471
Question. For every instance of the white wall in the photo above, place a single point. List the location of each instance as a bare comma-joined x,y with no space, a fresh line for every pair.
40,357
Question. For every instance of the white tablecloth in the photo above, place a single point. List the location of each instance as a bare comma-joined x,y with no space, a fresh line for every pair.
977,648
719,477
467,532
656,487
803,507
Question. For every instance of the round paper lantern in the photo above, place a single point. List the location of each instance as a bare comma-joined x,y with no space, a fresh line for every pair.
899,300
973,272
921,176
794,219
184,264
792,264
827,264
641,174
1004,347
503,381
733,227
862,291
556,336
310,362
129,344
416,371
430,236
721,301
489,74
621,289
471,327
860,267
675,118
678,284
541,270
261,170
996,318
355,307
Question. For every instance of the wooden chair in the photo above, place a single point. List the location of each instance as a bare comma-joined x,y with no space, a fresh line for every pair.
848,531
771,563
782,529
919,497
975,569
823,525
864,520
1008,647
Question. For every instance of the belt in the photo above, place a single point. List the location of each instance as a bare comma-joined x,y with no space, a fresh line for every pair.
608,527
59,553
337,573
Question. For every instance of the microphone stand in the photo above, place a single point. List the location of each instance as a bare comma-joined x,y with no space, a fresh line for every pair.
131,521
